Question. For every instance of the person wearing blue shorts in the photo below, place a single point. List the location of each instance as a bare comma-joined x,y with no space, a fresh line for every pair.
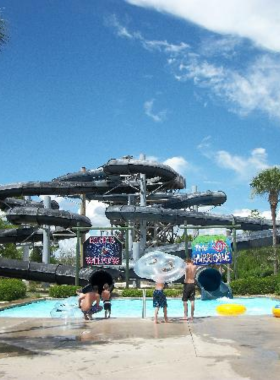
159,300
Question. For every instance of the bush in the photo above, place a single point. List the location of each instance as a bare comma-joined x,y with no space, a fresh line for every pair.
132,293
266,285
12,289
63,291
277,290
149,292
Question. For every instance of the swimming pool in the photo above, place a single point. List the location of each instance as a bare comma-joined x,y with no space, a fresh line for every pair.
132,308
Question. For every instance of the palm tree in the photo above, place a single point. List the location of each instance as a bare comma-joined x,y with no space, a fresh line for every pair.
268,182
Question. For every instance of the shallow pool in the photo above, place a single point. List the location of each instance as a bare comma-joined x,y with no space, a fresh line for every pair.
132,308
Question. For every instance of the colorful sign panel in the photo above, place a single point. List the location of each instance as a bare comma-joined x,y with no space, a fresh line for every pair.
102,250
214,249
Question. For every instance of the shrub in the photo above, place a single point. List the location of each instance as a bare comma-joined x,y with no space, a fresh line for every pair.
63,291
149,292
12,289
277,290
252,285
132,293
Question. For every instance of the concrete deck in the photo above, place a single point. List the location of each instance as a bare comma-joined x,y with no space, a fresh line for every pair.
214,348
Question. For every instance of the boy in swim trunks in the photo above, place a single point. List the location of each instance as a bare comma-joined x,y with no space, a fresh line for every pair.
106,298
86,303
159,300
189,288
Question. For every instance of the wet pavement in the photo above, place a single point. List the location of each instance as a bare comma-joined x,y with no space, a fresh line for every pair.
224,347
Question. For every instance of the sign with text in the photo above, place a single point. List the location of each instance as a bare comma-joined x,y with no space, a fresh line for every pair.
214,249
102,250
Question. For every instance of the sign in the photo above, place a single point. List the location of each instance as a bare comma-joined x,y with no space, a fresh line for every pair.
102,250
214,249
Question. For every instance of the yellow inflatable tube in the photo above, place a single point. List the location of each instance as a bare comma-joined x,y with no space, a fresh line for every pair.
276,311
231,309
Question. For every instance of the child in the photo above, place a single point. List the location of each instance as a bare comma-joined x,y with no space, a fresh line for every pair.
86,300
106,298
159,300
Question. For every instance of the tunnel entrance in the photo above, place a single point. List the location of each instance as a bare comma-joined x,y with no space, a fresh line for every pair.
210,279
99,278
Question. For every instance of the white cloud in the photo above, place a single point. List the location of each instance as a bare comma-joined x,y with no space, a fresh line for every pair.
159,116
95,211
253,88
257,20
245,212
152,45
177,163
256,88
244,167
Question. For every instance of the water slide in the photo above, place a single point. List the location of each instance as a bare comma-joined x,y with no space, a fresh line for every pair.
118,183
211,285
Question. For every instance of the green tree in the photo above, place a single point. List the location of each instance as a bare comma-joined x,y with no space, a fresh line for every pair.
267,182
9,251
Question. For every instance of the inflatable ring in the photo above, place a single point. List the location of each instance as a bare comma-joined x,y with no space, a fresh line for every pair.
231,309
276,311
160,267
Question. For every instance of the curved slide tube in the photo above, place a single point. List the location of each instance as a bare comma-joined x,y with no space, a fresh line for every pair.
32,235
59,274
9,203
168,200
177,217
42,216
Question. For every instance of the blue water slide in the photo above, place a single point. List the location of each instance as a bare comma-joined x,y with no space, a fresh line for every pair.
211,285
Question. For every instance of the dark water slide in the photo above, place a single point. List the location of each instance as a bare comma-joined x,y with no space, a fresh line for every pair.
57,273
177,217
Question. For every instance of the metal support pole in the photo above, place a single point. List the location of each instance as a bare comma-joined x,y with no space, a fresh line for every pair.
126,260
78,246
143,223
130,224
194,190
144,304
82,212
26,247
186,238
46,235
234,254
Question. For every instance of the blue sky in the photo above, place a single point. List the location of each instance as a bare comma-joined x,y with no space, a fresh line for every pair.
194,84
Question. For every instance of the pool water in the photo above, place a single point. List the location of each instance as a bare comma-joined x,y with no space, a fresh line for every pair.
132,308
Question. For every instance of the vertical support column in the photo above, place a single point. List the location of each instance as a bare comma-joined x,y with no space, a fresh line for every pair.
194,190
186,241
130,201
228,233
26,246
78,247
143,223
46,235
126,260
234,254
82,212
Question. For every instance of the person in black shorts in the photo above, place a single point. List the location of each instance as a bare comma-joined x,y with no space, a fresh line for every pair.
189,288
106,298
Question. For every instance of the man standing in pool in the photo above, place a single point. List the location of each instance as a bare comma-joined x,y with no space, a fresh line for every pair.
159,300
189,288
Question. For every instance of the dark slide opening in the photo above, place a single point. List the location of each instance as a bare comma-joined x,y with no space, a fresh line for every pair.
99,278
210,279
